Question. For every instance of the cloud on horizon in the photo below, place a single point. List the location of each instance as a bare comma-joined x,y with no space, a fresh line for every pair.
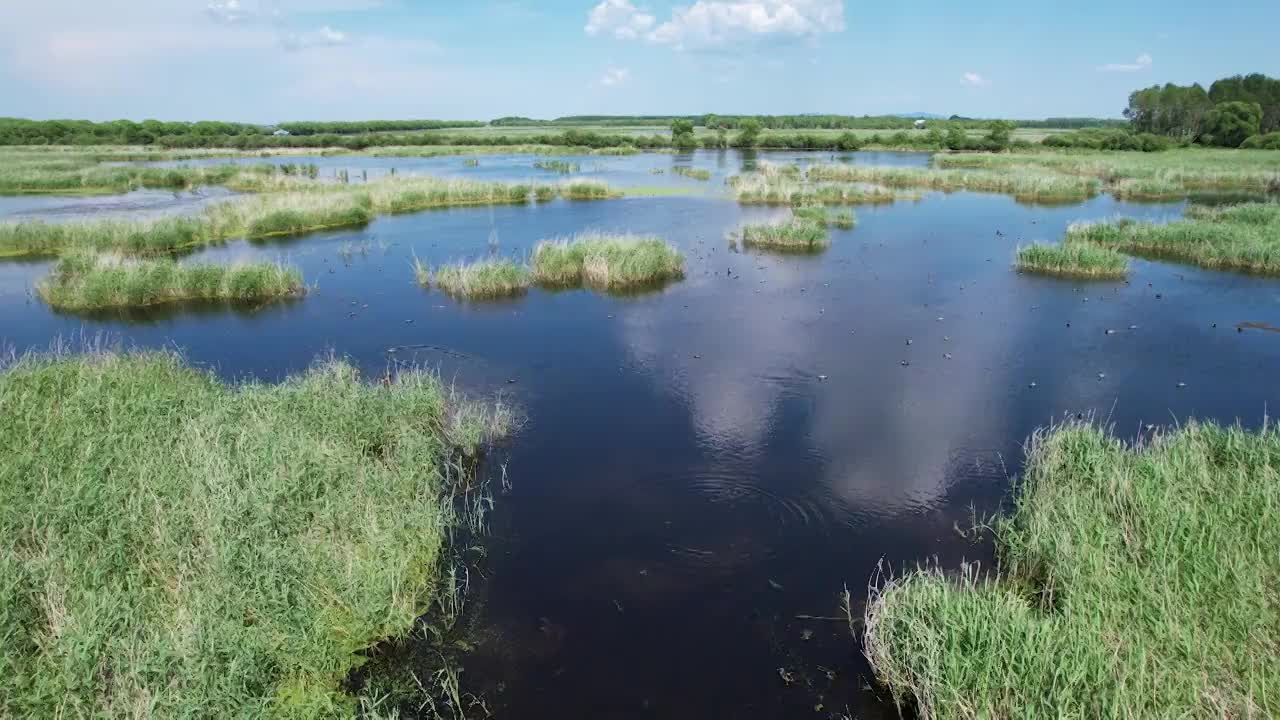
719,23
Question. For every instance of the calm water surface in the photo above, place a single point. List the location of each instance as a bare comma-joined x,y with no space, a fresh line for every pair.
705,464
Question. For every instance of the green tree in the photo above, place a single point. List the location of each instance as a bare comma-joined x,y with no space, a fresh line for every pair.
1000,134
748,133
956,138
1254,88
1230,123
682,136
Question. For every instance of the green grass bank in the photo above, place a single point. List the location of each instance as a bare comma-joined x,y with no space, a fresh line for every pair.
1134,582
178,547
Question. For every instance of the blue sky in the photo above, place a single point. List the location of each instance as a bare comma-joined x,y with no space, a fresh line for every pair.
274,60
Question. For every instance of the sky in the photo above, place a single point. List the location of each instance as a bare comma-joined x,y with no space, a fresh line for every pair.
269,61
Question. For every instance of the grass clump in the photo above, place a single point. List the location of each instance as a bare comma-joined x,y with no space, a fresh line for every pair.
763,190
587,190
1135,582
694,173
563,167
800,234
1242,237
178,547
86,281
610,262
843,219
483,280
1074,260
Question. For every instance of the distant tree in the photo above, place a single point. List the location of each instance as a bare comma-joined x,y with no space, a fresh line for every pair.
748,133
1253,88
957,139
1000,134
682,136
1174,110
1231,123
722,138
848,142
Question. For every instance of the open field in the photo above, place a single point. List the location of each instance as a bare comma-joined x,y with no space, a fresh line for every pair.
1133,583
178,545
1074,260
1241,237
85,281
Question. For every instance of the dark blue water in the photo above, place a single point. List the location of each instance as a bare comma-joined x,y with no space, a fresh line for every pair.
705,463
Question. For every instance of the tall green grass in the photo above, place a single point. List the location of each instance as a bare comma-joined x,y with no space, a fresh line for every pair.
82,174
287,205
1138,175
1032,185
762,190
1243,237
800,234
481,280
610,262
1134,582
1073,259
85,280
843,219
177,547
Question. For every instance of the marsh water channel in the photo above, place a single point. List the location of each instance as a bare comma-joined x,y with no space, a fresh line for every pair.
705,468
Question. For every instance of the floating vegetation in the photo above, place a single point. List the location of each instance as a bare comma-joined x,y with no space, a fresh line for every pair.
610,262
482,280
1240,237
1074,260
184,547
1135,582
800,234
471,162
694,173
86,281
561,166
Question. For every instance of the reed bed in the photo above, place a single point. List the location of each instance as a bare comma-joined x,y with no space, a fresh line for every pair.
1073,260
1242,237
1138,175
761,190
88,281
843,219
481,280
800,235
287,205
609,262
1134,582
83,175
1031,185
179,547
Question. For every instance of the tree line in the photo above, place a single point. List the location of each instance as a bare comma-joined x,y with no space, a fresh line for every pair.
1234,111
800,122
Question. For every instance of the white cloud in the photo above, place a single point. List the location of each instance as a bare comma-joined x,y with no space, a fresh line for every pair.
614,76
324,37
1142,63
229,11
973,79
720,23
619,17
